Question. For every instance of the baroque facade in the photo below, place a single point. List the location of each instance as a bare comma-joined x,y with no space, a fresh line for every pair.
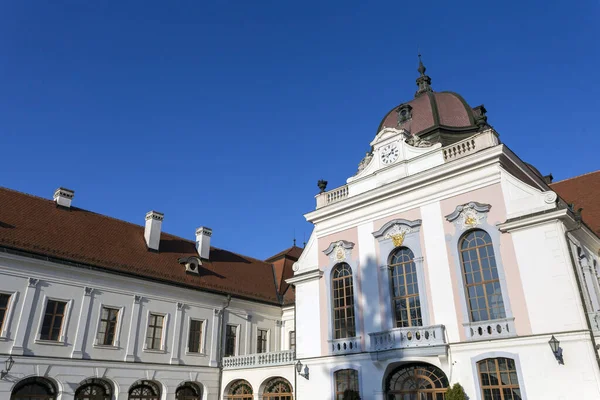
444,259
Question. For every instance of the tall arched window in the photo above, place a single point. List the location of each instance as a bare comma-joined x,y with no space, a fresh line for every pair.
480,273
94,389
405,288
346,380
277,389
144,390
239,390
34,388
498,379
188,391
343,301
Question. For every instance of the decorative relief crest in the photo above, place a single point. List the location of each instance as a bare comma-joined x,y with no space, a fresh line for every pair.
469,215
339,251
33,282
397,230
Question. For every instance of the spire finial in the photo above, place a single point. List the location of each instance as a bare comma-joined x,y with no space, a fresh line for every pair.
423,81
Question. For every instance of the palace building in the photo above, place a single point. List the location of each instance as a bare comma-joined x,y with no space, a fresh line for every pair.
444,259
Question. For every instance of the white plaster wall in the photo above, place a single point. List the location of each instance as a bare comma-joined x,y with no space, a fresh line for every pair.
308,331
549,284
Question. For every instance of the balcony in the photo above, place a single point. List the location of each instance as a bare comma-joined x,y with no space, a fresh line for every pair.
461,149
406,338
286,357
332,196
345,345
497,328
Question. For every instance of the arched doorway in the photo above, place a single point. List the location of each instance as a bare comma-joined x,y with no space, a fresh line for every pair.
417,381
188,391
239,390
277,389
144,390
34,388
94,389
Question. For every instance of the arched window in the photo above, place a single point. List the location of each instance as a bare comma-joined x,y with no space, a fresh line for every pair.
94,389
417,381
239,390
498,379
277,389
405,288
343,302
144,390
346,380
188,391
480,273
34,388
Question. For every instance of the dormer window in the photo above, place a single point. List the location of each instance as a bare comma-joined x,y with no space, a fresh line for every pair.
192,264
404,113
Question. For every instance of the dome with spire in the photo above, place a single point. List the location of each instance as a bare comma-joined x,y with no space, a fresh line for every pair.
443,117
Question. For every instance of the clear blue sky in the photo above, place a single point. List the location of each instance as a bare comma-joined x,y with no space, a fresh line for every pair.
226,113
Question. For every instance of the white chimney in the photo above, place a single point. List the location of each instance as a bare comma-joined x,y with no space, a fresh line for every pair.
63,197
203,235
152,232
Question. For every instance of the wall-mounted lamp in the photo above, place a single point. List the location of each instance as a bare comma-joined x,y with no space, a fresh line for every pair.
556,349
8,364
299,369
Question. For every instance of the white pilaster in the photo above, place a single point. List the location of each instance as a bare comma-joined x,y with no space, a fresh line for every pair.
214,338
442,296
82,324
369,282
24,317
176,343
133,328
249,345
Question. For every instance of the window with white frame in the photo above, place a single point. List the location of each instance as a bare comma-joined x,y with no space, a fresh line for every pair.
262,336
107,329
406,304
195,336
343,301
230,340
52,322
292,340
4,304
155,331
499,379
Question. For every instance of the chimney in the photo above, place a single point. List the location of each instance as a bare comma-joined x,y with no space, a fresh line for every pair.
63,197
152,232
203,235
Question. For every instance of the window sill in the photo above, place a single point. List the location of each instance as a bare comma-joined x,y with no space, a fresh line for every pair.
106,347
156,351
189,353
49,342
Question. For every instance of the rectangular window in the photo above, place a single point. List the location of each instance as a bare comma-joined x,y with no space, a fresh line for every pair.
195,338
154,335
230,339
53,320
292,340
4,300
261,340
108,326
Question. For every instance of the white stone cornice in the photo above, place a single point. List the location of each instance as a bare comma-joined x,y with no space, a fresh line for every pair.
527,221
305,277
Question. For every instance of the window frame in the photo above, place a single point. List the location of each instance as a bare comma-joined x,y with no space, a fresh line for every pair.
344,308
8,314
405,296
496,354
202,347
266,341
236,350
163,338
290,339
342,366
64,324
335,382
116,341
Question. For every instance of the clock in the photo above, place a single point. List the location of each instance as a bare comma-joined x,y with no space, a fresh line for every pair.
389,154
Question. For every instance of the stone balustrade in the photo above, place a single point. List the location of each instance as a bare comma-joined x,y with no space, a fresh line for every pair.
496,328
416,336
332,196
260,360
470,145
345,345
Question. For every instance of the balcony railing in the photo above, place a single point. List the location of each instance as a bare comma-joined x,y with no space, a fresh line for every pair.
497,328
260,360
332,196
470,145
345,345
400,338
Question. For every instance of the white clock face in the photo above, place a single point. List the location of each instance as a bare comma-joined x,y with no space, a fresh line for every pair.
389,154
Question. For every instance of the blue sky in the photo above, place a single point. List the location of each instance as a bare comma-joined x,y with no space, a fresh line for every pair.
226,113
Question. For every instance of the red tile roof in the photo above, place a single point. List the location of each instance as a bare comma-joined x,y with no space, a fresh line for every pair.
584,192
35,225
282,267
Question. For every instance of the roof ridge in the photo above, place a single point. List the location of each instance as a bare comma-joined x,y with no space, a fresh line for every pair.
575,177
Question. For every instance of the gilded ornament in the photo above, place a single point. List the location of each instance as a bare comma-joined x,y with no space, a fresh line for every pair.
398,239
